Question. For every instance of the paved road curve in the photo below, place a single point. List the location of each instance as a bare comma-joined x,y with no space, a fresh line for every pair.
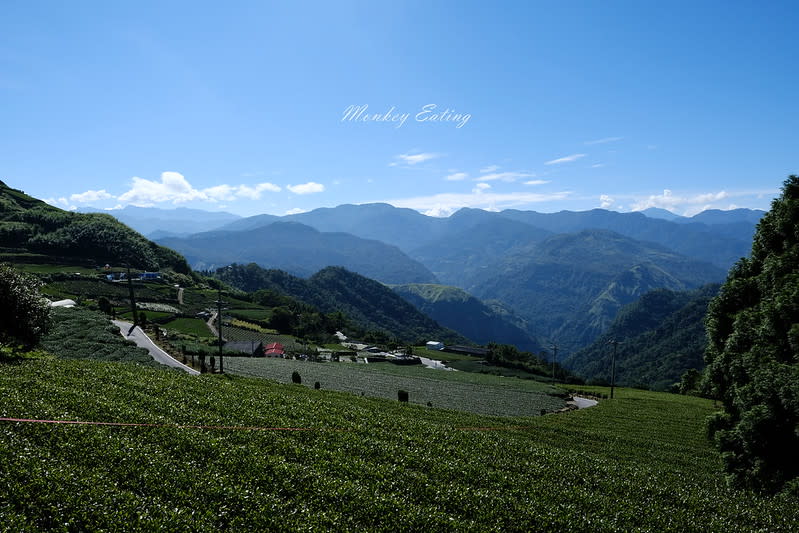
582,403
141,339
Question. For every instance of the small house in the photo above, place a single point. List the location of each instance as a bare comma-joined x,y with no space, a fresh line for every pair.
274,349
434,345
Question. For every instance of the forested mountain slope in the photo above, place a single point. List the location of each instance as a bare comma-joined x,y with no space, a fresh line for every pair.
458,310
31,226
571,286
660,336
370,304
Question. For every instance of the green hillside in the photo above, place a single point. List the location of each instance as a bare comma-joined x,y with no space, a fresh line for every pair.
368,304
458,310
33,231
217,459
662,335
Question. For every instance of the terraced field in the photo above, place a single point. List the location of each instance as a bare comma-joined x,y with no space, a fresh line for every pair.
638,463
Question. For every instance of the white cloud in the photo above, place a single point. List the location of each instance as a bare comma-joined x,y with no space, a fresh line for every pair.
414,159
306,188
173,187
457,176
711,197
254,193
605,201
296,211
57,202
447,203
567,159
685,204
505,176
536,182
604,140
220,193
440,211
598,165
490,168
90,196
480,188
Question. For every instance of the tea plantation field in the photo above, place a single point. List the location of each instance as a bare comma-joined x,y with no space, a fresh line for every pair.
639,462
476,393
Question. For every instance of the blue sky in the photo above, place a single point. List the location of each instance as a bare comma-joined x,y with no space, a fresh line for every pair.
243,106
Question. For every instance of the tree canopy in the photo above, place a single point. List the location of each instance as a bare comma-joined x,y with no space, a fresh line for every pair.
753,354
24,312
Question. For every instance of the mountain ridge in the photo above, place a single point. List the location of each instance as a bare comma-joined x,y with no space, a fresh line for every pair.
301,250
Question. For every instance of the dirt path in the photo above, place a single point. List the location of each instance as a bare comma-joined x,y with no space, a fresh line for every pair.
210,323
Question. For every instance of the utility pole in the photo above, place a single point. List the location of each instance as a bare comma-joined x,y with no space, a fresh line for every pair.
554,358
219,329
615,344
132,298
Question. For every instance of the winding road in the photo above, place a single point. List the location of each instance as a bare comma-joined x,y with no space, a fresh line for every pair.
142,340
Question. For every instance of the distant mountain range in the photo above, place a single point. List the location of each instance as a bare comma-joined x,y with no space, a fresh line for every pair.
570,286
709,216
563,275
156,223
299,250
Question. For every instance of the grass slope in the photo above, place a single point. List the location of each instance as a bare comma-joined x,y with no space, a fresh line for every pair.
637,463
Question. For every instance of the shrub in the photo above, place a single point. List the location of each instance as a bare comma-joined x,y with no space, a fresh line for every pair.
295,377
402,395
24,312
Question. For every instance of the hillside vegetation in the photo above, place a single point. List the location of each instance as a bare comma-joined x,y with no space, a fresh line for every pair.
640,462
369,305
456,309
33,231
661,336
570,286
